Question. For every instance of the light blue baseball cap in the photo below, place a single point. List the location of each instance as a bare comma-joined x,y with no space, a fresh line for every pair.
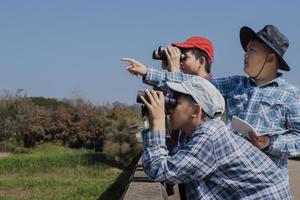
203,92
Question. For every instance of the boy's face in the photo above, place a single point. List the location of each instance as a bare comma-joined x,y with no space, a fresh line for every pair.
255,57
190,64
181,114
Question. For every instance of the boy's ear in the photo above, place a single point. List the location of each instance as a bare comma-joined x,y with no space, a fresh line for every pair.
272,58
197,111
201,62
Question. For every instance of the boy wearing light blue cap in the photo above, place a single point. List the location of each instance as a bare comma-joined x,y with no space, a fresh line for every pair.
214,163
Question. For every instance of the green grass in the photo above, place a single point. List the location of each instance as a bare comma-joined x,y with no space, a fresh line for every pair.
54,172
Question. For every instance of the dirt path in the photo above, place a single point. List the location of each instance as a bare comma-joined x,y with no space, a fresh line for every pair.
294,174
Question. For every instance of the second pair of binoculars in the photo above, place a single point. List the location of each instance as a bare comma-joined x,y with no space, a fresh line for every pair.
170,100
160,54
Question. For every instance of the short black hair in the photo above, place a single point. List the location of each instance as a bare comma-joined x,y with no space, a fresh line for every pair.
198,54
185,96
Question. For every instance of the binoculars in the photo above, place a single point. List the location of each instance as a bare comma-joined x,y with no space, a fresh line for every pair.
160,54
170,101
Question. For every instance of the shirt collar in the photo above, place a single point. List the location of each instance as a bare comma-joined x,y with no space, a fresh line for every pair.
278,81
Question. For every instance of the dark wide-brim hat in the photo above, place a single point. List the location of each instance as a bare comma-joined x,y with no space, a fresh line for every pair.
271,37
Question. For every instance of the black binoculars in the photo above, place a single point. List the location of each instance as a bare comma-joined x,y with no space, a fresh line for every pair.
160,54
170,102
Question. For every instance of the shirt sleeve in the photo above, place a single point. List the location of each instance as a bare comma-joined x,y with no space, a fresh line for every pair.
288,144
226,85
194,160
159,78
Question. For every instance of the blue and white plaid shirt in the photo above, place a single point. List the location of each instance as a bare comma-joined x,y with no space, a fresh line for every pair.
215,163
272,108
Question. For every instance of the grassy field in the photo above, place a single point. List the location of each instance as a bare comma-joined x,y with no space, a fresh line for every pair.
54,172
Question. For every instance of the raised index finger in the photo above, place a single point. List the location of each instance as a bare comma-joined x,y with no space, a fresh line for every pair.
128,60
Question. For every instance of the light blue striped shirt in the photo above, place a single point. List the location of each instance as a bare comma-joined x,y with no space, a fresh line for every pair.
272,108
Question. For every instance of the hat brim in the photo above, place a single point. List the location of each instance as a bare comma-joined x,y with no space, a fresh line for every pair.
247,34
183,45
177,87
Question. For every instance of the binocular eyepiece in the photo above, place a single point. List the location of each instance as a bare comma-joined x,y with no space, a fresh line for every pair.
160,54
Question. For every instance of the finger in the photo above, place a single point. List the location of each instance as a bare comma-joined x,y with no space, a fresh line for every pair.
171,51
148,105
177,49
129,67
161,96
174,52
151,100
133,63
128,60
155,96
167,53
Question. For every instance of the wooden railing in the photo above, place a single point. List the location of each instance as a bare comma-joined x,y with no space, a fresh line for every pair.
141,188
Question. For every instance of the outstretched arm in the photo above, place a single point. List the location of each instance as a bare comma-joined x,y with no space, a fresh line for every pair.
160,77
153,76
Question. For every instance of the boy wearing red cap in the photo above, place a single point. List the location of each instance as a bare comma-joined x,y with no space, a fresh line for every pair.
198,57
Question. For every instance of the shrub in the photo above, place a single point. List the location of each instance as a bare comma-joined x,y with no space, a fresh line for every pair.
27,122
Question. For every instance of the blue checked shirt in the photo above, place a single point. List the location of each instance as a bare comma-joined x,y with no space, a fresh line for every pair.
272,108
214,163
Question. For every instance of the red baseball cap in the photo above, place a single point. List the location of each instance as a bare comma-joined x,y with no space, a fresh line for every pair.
201,43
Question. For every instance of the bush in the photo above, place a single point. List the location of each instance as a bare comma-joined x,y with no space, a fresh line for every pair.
27,122
120,143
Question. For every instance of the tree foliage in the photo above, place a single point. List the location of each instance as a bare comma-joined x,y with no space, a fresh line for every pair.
28,121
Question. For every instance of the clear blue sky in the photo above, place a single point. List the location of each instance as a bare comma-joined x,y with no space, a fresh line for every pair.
66,48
